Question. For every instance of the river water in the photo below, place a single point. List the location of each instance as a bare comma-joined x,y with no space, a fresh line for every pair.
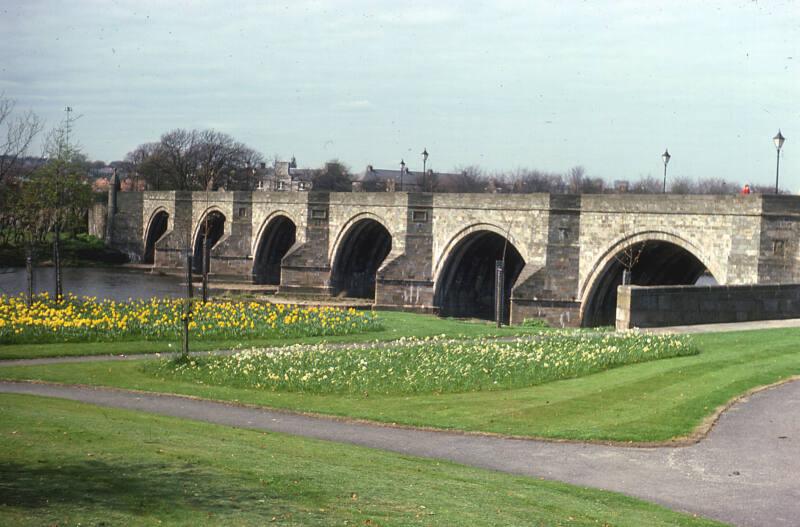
116,283
112,283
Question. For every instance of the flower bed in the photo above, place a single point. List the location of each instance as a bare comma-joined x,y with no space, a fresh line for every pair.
424,365
89,320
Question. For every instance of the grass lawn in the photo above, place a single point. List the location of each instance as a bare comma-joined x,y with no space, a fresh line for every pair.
653,401
395,325
66,463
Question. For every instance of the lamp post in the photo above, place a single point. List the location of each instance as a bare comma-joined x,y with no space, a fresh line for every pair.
778,139
665,156
402,172
424,160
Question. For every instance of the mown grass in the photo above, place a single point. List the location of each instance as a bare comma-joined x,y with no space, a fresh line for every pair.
653,401
66,463
394,325
415,366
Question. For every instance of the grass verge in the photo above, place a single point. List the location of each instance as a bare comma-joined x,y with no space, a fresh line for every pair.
394,324
66,463
647,402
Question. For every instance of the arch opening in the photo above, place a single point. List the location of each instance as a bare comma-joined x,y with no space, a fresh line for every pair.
360,254
466,284
156,229
276,240
212,227
657,262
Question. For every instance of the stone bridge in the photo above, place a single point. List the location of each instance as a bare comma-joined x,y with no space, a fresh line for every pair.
564,254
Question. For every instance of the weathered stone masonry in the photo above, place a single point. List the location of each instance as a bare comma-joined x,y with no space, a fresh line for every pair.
562,250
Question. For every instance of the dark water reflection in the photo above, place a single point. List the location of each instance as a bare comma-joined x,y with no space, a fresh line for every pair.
111,283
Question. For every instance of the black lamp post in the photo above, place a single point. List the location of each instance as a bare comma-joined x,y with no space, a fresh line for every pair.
665,156
778,139
424,160
402,172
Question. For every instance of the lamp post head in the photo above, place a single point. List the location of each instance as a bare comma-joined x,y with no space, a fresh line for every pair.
666,157
779,139
425,154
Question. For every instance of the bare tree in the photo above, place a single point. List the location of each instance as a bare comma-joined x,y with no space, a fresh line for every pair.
681,185
20,131
468,179
629,256
526,181
575,179
646,185
195,160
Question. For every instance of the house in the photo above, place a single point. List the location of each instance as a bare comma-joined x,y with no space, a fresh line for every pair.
386,180
284,176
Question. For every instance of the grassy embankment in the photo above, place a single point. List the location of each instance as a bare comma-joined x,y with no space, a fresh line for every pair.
652,401
65,463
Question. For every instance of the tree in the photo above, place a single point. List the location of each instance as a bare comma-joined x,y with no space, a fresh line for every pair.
681,185
333,177
19,134
526,181
194,160
647,185
468,179
56,195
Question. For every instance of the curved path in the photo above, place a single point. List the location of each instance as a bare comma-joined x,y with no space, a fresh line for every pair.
745,472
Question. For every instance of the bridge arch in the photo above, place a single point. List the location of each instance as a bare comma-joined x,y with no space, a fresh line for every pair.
214,220
275,237
661,258
358,252
157,227
465,275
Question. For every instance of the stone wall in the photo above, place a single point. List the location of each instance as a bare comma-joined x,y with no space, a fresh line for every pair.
97,217
127,228
648,307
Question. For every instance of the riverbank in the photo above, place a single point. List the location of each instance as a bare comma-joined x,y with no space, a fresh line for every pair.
81,250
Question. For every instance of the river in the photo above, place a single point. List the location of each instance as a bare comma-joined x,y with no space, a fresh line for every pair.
102,282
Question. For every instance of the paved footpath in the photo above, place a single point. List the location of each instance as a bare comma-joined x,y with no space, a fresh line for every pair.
746,472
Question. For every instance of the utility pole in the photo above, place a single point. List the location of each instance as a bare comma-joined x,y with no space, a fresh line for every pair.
63,154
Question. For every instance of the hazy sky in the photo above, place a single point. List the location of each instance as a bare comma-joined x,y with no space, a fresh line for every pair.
502,84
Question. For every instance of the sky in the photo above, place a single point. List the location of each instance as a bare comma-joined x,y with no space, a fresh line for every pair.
502,84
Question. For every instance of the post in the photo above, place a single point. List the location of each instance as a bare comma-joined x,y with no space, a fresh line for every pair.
29,274
187,306
205,266
664,190
57,262
499,292
777,168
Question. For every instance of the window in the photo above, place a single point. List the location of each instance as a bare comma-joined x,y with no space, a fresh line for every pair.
242,212
778,247
319,214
